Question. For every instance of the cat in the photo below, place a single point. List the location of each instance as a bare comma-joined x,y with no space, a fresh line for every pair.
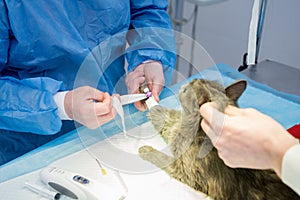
195,161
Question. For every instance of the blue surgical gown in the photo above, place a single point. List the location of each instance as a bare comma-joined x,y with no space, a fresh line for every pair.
48,46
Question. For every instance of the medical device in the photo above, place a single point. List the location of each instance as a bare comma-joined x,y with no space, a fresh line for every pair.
77,186
42,191
150,101
131,98
147,96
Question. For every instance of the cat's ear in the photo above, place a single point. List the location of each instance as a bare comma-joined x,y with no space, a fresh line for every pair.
235,90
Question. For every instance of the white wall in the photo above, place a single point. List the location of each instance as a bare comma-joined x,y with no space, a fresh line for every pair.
222,29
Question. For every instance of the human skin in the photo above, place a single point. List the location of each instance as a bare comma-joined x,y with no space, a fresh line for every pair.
150,72
246,138
92,107
89,106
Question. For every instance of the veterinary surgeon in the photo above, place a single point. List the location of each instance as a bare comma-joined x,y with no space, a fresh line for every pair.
51,53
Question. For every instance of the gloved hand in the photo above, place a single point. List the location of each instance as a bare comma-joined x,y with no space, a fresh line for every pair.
246,138
150,72
89,106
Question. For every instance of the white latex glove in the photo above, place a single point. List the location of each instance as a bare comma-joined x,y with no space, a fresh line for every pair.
89,106
150,72
246,138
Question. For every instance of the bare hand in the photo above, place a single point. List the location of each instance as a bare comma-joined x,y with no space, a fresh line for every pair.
246,138
151,73
89,106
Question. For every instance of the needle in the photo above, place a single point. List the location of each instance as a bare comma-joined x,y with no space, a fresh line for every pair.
103,171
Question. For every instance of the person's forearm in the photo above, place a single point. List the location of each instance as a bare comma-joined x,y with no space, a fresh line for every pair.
278,148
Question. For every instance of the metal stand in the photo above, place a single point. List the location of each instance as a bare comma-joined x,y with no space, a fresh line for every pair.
279,76
179,21
263,7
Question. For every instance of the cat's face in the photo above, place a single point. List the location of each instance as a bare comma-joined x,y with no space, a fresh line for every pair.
200,91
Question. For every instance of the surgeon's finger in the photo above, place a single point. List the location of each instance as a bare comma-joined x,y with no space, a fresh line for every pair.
90,93
209,131
207,110
233,111
106,117
133,75
213,117
141,106
156,89
205,126
116,96
134,86
104,107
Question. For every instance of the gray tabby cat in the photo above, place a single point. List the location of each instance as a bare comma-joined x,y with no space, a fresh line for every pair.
195,161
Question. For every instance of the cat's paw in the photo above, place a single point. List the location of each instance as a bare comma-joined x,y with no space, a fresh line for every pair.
147,153
146,149
157,115
154,156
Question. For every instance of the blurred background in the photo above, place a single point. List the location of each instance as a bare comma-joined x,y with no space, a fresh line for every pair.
222,27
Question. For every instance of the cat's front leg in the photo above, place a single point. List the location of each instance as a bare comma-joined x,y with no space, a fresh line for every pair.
159,159
172,167
158,115
162,119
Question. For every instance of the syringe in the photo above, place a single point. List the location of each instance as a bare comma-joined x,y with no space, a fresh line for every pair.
43,191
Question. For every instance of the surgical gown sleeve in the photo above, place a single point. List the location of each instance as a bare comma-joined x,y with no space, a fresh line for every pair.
150,36
290,171
4,36
25,105
28,106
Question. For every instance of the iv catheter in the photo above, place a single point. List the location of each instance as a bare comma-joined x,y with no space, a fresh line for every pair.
131,98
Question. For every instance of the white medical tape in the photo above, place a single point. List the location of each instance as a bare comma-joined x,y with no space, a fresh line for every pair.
252,40
150,102
119,108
